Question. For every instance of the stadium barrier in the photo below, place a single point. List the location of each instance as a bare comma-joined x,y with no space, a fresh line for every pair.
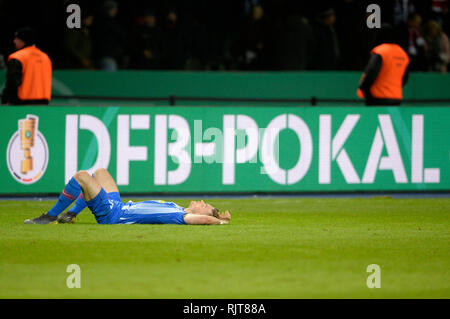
135,88
163,149
126,88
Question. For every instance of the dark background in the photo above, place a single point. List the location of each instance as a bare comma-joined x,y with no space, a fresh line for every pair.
218,34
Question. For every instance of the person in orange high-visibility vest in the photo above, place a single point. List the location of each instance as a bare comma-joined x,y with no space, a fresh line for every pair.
386,72
29,72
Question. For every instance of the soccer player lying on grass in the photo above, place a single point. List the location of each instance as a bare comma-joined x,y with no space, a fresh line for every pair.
99,192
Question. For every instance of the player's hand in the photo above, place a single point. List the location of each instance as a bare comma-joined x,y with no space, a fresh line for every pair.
225,216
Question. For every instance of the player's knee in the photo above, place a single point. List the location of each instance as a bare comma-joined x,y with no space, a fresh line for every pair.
81,176
100,171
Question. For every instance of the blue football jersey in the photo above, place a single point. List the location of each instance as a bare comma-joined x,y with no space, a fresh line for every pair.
150,212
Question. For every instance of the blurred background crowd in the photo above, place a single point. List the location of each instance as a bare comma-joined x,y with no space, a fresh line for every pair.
227,34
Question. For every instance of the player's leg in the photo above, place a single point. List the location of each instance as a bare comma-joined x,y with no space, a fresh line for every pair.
70,216
95,196
105,180
80,182
89,185
107,203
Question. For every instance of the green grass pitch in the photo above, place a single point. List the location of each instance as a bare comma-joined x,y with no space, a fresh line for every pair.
273,248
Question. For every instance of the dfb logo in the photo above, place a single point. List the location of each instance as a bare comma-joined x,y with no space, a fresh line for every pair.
374,19
74,19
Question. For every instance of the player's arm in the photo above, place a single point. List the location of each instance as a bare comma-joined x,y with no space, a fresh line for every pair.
194,219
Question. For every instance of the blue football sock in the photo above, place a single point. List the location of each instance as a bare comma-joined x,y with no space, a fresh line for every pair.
80,204
67,196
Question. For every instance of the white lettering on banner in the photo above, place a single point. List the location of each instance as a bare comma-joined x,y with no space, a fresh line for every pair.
296,173
94,125
125,152
239,153
205,149
71,151
248,152
393,161
268,156
417,149
333,149
177,150
160,150
239,142
210,149
228,149
275,172
432,175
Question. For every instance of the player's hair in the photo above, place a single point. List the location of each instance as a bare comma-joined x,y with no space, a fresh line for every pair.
215,212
